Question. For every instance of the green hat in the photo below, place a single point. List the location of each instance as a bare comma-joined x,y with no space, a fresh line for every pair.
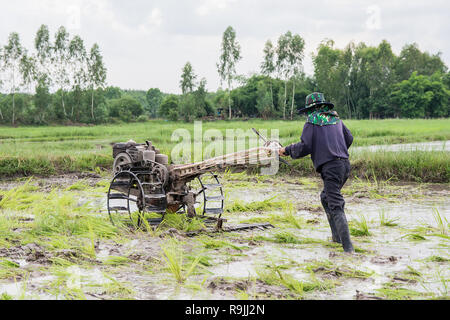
316,99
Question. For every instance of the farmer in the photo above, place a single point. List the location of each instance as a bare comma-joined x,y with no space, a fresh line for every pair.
327,139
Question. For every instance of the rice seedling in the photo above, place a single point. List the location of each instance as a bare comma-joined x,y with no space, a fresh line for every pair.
173,255
289,216
77,186
111,289
272,275
329,268
181,222
394,293
437,259
255,206
442,224
359,227
286,238
211,243
242,295
5,296
10,269
385,221
414,237
116,261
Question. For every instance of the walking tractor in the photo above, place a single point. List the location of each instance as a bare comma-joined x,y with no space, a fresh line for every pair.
144,182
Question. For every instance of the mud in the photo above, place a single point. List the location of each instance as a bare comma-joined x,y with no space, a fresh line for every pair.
134,266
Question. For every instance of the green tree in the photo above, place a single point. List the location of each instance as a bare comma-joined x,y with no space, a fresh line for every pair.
412,59
154,98
421,96
12,55
113,93
126,108
230,55
187,82
96,73
169,107
77,57
264,101
268,65
43,52
60,61
187,107
295,56
42,100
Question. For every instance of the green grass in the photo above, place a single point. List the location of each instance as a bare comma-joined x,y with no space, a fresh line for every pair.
255,206
173,255
385,221
359,227
329,268
273,275
49,150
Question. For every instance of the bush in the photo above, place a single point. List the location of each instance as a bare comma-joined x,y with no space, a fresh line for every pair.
125,108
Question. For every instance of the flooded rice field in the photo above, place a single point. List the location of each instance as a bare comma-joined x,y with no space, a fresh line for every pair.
57,243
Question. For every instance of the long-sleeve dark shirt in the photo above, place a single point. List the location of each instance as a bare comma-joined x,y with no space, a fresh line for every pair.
324,143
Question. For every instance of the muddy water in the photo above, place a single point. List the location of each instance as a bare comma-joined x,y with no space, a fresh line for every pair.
386,254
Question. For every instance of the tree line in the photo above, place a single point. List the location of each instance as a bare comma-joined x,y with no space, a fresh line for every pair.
363,82
61,82
63,65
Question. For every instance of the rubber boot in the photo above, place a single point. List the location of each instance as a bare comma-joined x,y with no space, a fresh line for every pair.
334,234
342,229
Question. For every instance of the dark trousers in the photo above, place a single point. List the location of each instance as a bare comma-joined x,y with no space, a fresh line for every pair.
334,175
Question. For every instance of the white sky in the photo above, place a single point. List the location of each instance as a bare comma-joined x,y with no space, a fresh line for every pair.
146,43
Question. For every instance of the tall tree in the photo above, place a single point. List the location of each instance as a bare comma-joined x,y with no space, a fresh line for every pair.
282,65
230,55
43,53
96,73
268,65
187,82
412,59
27,68
60,61
12,55
1,78
295,55
78,69
154,98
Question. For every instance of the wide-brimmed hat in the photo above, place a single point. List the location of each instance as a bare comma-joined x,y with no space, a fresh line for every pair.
315,99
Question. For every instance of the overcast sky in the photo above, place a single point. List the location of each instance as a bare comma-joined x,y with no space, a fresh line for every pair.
146,43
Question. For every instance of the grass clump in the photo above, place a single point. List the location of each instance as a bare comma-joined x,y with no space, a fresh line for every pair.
182,222
385,221
116,261
255,206
437,259
273,275
359,227
414,237
442,225
211,243
390,292
9,269
173,255
329,268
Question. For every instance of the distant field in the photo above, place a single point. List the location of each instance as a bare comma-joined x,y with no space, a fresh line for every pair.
50,150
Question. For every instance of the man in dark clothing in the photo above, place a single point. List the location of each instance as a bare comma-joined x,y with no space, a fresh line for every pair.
327,139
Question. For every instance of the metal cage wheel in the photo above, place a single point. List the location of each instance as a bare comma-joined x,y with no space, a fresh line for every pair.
128,192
